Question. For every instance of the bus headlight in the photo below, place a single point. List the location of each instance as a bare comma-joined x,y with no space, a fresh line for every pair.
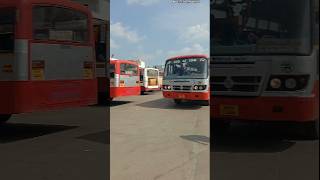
288,82
291,83
166,87
275,83
199,87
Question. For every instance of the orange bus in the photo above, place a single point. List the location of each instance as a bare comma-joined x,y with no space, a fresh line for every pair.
47,58
124,78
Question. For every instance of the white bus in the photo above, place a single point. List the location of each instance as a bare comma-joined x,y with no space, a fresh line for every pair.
149,79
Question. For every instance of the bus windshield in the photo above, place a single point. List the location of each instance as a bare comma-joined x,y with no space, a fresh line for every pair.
129,69
190,68
261,27
152,73
7,22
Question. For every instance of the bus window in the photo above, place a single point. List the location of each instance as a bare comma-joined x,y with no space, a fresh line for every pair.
187,68
141,74
7,22
152,73
60,24
129,69
112,70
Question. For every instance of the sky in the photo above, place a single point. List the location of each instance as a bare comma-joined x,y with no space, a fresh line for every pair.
154,30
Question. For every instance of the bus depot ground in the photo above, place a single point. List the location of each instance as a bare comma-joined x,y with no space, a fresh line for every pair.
151,138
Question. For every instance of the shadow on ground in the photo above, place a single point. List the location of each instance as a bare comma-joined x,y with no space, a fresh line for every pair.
169,104
256,138
197,138
102,137
13,132
118,103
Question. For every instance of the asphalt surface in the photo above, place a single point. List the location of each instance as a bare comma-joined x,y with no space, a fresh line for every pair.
151,139
70,144
264,152
154,139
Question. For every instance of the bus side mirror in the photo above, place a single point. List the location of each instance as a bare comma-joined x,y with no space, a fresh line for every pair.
112,75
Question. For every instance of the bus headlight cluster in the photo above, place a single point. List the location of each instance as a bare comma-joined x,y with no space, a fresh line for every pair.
167,87
199,87
288,82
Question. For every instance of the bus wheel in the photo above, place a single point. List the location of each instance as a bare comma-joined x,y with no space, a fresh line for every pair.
178,101
4,118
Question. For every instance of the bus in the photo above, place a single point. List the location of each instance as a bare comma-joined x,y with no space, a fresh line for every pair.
265,63
47,56
149,78
187,78
124,78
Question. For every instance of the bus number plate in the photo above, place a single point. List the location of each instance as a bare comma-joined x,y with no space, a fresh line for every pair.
181,96
229,110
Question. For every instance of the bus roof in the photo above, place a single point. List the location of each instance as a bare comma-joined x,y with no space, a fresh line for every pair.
113,60
67,3
189,56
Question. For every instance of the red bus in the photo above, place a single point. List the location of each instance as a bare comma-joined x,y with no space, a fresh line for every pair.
265,64
187,78
124,78
47,56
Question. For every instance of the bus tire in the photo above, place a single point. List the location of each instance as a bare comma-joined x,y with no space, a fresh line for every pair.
178,101
4,118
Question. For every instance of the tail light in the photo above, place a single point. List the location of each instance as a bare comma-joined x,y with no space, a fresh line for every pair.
122,84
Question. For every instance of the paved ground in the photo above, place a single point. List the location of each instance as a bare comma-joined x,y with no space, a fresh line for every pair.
153,139
61,145
264,152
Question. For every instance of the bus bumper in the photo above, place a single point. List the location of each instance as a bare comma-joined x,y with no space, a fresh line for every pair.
303,109
144,89
30,96
186,96
124,91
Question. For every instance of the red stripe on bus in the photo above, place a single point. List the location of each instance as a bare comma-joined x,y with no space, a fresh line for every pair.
30,96
186,96
297,109
124,91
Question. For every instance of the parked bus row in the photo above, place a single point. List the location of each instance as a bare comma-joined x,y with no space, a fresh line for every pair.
130,78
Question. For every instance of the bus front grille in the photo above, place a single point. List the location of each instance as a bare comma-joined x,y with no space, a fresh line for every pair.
182,88
248,84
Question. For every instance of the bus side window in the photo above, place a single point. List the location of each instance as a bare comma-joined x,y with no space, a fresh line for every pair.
7,28
112,70
59,24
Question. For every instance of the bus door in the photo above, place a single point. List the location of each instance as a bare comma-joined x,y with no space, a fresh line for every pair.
100,31
7,60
